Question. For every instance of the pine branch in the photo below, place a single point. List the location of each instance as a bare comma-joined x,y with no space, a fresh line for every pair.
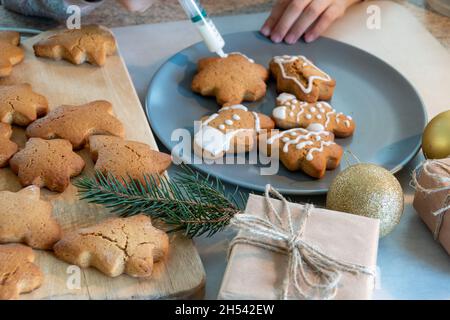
189,202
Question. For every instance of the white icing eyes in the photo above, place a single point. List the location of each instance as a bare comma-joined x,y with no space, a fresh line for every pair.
229,122
236,117
222,127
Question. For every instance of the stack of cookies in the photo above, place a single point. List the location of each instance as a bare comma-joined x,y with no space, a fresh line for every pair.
50,158
306,123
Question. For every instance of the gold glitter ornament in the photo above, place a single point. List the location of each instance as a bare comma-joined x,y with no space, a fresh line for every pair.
368,190
436,137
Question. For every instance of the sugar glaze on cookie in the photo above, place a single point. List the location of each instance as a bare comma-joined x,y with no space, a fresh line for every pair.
318,116
303,139
218,140
282,60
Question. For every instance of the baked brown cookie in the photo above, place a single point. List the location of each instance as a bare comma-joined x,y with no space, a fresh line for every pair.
127,159
234,129
317,116
25,218
91,43
116,246
47,163
10,52
7,147
231,80
312,152
77,123
20,105
299,76
18,273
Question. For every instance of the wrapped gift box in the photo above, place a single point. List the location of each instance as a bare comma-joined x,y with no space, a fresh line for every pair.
432,195
257,273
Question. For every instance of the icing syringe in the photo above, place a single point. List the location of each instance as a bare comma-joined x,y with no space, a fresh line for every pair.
204,25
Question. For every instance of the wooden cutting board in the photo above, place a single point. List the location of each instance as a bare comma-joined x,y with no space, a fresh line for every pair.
182,274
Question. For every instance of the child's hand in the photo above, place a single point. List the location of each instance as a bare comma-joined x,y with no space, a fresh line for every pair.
137,5
290,19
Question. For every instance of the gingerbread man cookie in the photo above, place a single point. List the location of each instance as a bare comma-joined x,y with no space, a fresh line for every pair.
25,218
10,52
231,80
312,152
127,159
116,246
20,105
18,273
318,116
47,163
299,76
78,123
233,129
91,43
7,147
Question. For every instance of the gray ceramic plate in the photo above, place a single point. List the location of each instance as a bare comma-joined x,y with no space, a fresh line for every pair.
389,114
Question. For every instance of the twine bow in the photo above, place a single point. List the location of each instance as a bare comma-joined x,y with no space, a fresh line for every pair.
271,234
446,187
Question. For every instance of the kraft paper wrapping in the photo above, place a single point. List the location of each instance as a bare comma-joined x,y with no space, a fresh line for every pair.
253,273
426,204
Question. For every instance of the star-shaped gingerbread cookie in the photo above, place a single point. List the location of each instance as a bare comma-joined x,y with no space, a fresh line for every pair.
116,246
312,152
18,273
47,163
7,147
20,105
233,129
317,116
127,159
10,52
231,80
91,43
302,78
77,123
25,218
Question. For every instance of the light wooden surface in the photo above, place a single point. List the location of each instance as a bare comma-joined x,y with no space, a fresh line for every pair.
182,274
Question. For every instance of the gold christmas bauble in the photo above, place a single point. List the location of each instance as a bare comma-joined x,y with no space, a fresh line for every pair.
368,190
436,137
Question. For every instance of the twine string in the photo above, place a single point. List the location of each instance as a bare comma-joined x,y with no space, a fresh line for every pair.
312,273
424,167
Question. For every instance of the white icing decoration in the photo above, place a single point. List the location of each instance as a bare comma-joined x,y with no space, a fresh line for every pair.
294,133
312,109
229,122
279,113
237,106
318,138
280,60
285,139
213,140
347,123
322,110
222,127
284,97
319,116
240,54
308,116
316,127
304,136
291,114
310,156
349,118
303,144
236,117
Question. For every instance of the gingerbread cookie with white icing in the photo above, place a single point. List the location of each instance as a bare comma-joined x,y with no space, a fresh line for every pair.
299,76
234,129
317,116
232,80
312,152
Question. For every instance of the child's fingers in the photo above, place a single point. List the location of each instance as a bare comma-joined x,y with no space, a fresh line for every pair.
288,19
332,13
308,17
277,12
